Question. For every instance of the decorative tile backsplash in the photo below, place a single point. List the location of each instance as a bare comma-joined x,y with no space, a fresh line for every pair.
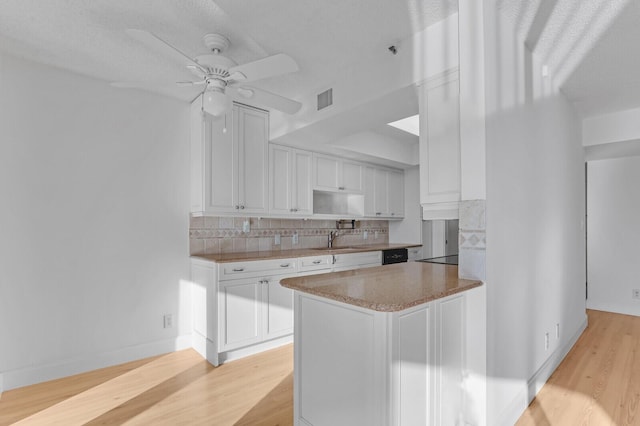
212,235
472,240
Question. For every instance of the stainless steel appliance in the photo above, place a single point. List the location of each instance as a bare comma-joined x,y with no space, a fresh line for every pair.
394,256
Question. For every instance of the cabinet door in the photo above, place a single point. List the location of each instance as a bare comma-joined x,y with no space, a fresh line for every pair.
381,192
278,308
239,304
395,191
221,173
351,177
302,195
252,136
369,191
440,143
280,190
326,172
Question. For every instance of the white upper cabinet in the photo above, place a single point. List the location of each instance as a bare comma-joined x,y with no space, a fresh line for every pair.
440,148
383,192
290,181
336,174
229,161
395,197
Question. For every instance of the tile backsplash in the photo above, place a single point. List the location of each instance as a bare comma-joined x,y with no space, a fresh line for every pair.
212,235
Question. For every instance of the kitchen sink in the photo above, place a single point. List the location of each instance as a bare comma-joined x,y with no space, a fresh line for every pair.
337,248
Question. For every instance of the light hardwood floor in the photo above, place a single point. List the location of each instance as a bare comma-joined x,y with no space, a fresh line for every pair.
179,388
597,384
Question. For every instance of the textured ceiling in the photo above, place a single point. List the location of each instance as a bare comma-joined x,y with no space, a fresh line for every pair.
589,46
87,36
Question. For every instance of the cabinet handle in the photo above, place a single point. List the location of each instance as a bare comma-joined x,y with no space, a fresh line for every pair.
317,262
341,188
237,207
333,259
241,207
238,269
378,214
295,210
285,265
393,214
265,281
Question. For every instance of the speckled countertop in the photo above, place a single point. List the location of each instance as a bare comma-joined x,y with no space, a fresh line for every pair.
386,288
286,254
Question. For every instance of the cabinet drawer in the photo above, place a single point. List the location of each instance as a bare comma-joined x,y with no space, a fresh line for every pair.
254,268
368,258
314,263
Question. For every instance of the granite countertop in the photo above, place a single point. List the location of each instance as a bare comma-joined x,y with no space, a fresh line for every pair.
386,288
285,254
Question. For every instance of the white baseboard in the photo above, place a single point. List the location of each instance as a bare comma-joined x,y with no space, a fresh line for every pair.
614,308
251,350
516,407
206,348
42,373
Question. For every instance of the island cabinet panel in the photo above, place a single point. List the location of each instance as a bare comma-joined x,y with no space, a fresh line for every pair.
357,366
414,368
450,359
338,369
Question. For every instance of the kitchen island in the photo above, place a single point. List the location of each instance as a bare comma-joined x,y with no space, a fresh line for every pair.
399,344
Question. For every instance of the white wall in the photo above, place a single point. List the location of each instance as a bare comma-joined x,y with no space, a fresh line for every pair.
534,211
613,207
618,126
409,230
94,237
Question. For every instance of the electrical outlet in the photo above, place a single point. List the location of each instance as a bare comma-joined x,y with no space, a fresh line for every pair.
168,321
246,226
557,330
294,240
635,294
546,341
276,240
365,235
375,235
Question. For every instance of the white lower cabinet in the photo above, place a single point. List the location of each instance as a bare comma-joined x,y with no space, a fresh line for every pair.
240,308
412,367
277,302
348,261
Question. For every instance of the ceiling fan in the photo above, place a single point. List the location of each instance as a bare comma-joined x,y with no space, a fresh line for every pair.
221,78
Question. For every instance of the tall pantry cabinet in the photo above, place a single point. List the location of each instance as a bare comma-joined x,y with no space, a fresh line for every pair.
229,162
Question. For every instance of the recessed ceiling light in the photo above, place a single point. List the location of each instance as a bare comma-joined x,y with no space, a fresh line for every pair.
409,124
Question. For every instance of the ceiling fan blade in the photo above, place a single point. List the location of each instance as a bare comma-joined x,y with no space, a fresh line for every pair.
190,83
266,67
266,99
154,41
152,85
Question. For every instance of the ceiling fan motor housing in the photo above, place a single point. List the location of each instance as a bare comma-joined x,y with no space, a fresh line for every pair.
216,43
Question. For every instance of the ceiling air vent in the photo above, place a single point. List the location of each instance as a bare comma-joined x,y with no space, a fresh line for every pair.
325,99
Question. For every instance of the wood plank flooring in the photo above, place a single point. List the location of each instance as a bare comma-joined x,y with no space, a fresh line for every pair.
597,384
180,388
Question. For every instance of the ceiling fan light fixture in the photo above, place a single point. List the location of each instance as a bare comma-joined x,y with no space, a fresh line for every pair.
215,102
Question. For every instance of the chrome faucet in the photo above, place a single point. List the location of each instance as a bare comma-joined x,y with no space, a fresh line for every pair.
332,236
